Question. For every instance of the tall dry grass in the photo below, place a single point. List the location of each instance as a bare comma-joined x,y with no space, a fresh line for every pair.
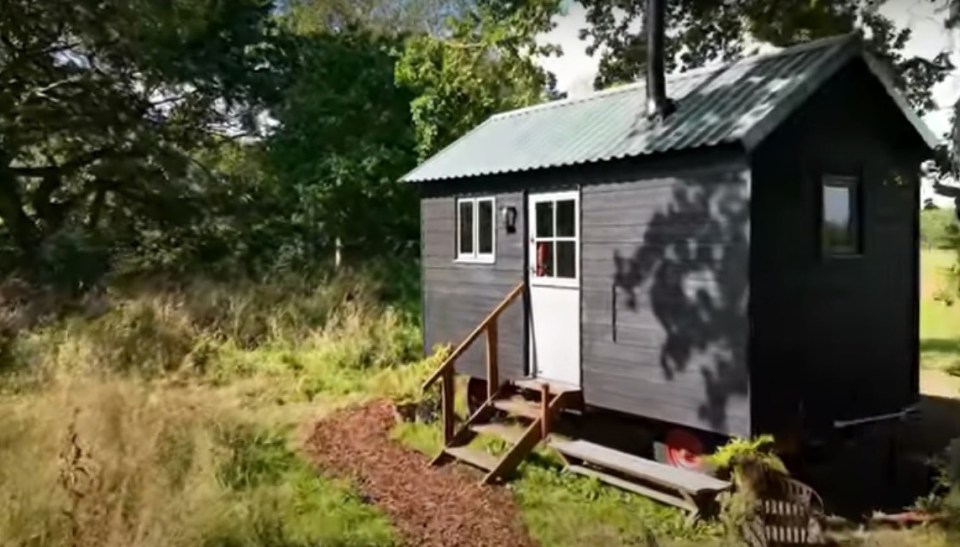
163,416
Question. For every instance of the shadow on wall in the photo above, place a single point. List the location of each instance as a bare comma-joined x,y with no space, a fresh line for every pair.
691,270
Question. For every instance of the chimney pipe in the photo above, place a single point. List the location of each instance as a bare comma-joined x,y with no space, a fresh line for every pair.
658,105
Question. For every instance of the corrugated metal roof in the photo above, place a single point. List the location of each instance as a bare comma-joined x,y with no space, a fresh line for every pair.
740,102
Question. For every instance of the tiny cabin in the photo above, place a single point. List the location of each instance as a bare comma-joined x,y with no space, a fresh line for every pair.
738,256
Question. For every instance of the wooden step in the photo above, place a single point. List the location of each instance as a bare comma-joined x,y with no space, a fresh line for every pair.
472,456
518,407
510,433
536,384
688,481
624,484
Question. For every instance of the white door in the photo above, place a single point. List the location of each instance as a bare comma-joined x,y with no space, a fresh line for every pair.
554,281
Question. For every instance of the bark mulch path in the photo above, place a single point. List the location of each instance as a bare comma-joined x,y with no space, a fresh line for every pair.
430,506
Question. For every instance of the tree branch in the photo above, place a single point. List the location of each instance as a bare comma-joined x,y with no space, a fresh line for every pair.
66,168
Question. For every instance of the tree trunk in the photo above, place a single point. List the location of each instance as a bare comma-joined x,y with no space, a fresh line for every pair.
22,229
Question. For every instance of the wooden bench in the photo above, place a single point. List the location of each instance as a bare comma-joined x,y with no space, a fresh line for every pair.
681,488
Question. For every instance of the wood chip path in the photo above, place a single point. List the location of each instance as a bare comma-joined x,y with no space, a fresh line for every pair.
429,506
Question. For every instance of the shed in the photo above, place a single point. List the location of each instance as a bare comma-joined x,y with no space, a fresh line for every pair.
746,264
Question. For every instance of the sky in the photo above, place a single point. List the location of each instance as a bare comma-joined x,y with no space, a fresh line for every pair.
575,70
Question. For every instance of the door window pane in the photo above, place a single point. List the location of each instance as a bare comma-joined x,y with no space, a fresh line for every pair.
567,259
544,215
485,223
566,218
466,228
544,266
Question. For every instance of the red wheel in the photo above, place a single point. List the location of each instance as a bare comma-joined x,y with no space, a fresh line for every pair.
684,449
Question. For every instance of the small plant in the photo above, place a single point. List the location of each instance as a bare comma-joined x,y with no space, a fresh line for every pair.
740,451
749,463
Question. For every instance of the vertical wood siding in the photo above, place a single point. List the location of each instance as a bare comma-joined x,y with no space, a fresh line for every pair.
457,296
835,338
665,291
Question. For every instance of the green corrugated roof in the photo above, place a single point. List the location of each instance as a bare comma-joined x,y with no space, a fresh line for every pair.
741,102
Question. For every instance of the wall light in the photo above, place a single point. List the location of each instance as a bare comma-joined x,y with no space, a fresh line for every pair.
509,218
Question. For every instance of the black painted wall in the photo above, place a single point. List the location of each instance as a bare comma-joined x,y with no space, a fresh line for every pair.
835,338
665,289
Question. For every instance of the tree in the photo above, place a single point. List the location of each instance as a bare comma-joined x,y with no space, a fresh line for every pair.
344,140
390,17
486,64
707,30
101,104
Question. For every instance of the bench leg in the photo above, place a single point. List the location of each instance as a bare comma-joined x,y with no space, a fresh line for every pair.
692,505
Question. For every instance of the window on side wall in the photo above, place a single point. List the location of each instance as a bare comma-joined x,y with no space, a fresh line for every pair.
476,229
840,219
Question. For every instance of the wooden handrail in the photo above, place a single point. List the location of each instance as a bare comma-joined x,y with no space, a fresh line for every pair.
492,316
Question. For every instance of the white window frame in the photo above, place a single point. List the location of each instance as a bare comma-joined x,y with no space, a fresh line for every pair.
552,280
476,257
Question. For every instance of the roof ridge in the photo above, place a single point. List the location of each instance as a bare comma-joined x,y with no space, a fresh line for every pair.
639,84
853,36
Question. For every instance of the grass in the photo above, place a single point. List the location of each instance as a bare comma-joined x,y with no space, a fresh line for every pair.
171,417
563,510
939,319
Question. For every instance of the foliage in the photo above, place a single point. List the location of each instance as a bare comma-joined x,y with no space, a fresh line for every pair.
388,17
938,228
199,453
486,65
939,316
739,451
700,31
152,465
345,140
101,105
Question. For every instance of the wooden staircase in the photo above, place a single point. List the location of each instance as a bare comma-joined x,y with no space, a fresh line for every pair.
531,403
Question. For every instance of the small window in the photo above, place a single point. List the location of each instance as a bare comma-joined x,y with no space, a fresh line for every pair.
840,216
476,229
555,239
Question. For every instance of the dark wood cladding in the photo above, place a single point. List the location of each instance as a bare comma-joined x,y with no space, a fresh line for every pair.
835,338
457,296
705,299
665,257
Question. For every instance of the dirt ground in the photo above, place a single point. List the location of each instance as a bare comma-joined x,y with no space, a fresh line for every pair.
429,506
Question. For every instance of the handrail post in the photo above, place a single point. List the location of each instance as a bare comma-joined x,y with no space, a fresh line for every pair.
544,410
446,394
493,367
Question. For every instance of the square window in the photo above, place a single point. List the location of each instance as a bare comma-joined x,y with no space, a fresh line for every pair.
840,218
545,219
485,226
476,229
566,218
544,259
567,259
465,225
555,246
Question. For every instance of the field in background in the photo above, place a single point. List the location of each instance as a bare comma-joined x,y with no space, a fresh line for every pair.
939,313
